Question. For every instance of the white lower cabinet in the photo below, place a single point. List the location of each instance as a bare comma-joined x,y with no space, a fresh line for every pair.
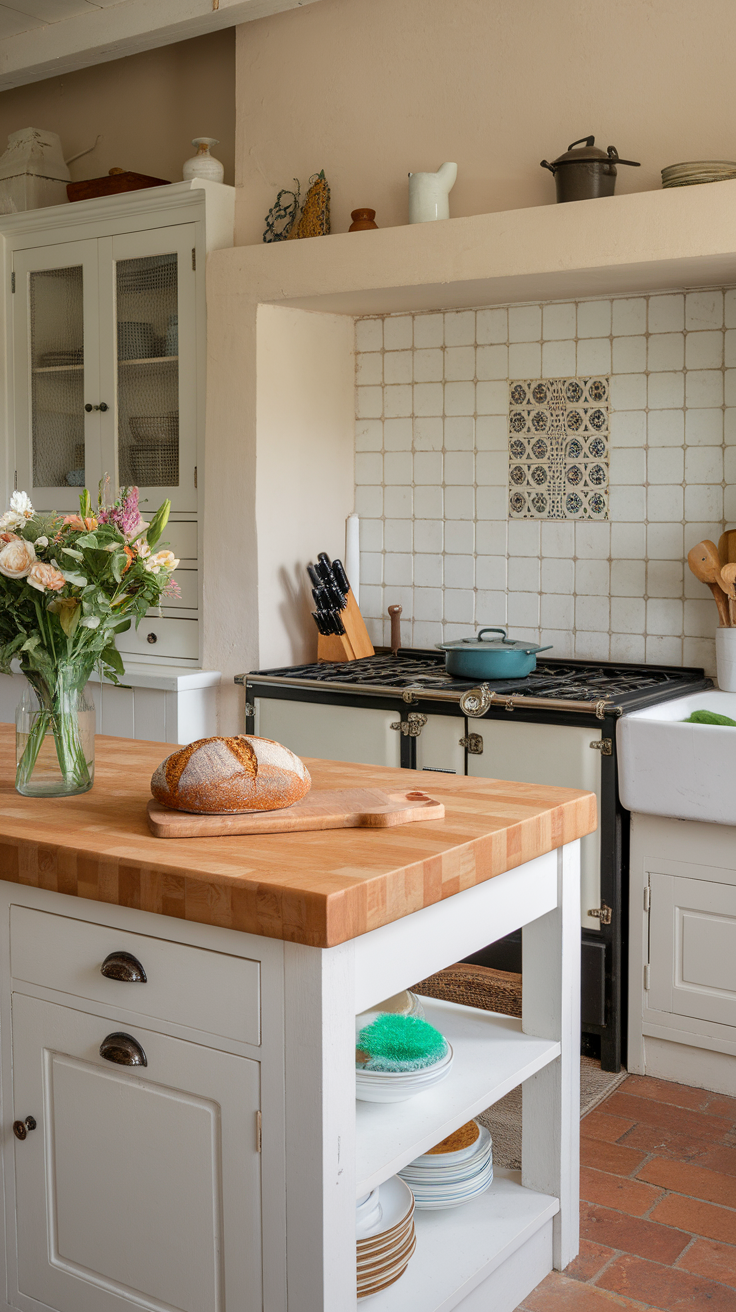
140,1184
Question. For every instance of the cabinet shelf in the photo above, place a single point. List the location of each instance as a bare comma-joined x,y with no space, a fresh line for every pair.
460,1247
59,369
492,1056
151,359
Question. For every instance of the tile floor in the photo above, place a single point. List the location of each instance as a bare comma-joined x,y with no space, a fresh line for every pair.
658,1205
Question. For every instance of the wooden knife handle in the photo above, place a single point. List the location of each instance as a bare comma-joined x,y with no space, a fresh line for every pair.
395,613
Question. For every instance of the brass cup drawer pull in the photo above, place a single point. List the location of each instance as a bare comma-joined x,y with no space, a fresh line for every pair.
125,967
21,1129
123,1049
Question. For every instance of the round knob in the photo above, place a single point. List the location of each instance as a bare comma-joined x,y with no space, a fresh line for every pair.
22,1128
151,637
89,407
104,406
123,1049
123,966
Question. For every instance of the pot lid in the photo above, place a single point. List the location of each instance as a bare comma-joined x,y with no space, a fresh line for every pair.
479,643
585,151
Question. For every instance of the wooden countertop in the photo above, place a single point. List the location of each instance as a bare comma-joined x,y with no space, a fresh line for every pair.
314,888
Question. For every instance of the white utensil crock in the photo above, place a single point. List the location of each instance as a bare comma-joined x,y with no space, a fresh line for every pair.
726,659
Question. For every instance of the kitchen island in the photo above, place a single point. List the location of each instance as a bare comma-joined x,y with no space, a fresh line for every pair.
177,1022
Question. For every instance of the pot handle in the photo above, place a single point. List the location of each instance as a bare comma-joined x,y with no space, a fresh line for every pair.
544,164
584,141
479,635
614,157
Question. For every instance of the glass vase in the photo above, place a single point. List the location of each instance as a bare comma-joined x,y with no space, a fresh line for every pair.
55,737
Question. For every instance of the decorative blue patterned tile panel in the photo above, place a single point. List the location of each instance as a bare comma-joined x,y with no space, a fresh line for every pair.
558,448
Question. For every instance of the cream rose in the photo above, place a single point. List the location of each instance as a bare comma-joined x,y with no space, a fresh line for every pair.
45,578
16,558
162,560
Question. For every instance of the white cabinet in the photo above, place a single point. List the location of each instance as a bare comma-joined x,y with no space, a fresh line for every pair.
682,954
139,1183
105,366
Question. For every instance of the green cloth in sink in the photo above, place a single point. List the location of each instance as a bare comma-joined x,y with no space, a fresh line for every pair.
709,717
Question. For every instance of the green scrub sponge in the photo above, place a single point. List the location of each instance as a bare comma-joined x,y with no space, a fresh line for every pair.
709,717
399,1043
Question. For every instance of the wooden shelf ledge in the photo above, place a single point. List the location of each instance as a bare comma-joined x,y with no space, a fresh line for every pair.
646,241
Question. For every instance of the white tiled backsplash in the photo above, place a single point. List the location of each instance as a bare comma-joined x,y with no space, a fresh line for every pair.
432,474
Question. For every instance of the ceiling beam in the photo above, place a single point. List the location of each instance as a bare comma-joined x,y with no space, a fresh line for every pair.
119,29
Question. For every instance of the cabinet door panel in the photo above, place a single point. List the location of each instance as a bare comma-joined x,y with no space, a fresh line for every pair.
335,733
693,948
139,1184
56,352
153,291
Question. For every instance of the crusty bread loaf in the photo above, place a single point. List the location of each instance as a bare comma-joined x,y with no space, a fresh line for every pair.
228,775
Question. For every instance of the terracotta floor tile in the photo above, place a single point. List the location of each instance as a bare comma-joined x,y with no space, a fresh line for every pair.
590,1260
679,1095
689,1178
681,1147
720,1105
696,1217
609,1156
557,1293
629,1234
666,1287
600,1125
630,1196
706,1258
679,1120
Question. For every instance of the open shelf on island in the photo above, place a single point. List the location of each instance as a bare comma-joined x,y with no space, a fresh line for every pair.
460,1247
492,1056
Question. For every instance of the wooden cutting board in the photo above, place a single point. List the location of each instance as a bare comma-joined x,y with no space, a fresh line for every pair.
322,808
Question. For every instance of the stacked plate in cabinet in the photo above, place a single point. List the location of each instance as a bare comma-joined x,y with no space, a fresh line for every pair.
456,1170
697,171
399,1086
385,1236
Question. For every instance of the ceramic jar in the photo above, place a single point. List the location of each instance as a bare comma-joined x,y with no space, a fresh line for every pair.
203,164
429,194
726,659
363,220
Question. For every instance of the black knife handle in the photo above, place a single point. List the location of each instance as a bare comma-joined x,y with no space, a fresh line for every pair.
337,601
339,628
341,577
323,559
315,576
316,616
321,599
323,569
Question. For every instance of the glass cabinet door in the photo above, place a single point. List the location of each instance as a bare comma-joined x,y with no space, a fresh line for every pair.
56,366
155,392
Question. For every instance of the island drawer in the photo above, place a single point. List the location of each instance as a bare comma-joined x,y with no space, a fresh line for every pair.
213,992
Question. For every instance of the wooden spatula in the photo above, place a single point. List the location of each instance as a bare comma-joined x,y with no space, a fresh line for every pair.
705,564
728,575
727,547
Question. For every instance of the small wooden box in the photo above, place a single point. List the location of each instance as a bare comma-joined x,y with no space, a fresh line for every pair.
112,185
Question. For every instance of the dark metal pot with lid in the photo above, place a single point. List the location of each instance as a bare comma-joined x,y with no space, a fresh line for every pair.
477,658
585,171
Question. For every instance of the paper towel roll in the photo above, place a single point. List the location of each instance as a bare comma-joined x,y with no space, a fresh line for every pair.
352,554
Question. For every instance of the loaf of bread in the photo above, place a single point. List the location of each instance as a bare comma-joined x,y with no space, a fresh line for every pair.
225,776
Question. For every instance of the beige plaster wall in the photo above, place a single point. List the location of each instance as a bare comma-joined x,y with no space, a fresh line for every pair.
147,108
371,91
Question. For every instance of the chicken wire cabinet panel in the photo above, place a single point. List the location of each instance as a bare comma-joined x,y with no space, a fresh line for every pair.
105,365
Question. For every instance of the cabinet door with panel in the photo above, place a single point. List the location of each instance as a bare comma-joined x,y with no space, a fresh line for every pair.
56,352
140,1184
692,933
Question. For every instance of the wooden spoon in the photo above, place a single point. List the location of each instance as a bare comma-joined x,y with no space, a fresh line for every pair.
705,564
727,547
728,575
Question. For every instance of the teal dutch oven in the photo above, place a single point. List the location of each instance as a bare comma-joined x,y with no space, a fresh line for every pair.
495,658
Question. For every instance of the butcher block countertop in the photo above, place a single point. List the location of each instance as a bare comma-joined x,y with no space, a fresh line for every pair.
315,888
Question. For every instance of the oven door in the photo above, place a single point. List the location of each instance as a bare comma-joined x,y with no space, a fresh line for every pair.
548,754
332,733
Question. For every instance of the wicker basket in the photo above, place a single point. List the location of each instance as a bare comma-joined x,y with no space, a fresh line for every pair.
154,430
475,986
155,466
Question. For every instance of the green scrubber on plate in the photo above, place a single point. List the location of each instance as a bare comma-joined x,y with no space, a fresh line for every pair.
709,717
394,1043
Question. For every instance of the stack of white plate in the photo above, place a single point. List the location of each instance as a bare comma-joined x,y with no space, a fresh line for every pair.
450,1178
384,1249
697,171
399,1086
405,1003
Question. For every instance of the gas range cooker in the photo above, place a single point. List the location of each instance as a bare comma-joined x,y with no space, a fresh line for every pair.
570,685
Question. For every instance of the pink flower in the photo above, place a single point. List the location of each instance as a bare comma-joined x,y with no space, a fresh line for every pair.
45,578
16,558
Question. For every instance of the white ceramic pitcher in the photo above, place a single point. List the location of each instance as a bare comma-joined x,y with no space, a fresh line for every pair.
429,194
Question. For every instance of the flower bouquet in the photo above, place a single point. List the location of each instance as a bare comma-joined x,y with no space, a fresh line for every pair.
68,586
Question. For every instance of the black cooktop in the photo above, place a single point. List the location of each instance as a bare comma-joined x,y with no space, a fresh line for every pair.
585,681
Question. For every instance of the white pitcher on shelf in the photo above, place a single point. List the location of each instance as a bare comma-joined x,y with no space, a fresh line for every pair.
429,194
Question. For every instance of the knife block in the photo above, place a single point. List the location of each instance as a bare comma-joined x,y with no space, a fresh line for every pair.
351,645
